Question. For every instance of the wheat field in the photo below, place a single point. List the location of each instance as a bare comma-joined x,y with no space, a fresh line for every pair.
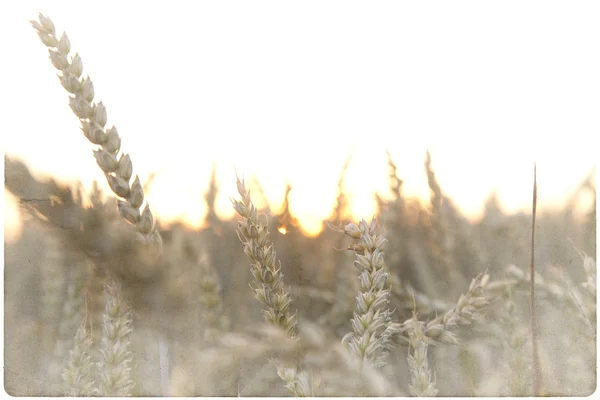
101,299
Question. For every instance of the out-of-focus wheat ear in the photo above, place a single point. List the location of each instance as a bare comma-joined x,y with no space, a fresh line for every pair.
268,287
214,322
421,383
589,267
116,165
53,281
341,204
72,313
518,366
115,359
78,371
212,219
440,238
372,325
395,182
297,383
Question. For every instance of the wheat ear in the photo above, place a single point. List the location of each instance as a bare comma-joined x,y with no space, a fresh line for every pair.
213,320
265,266
440,236
114,366
515,340
421,384
296,383
372,326
268,281
77,375
117,168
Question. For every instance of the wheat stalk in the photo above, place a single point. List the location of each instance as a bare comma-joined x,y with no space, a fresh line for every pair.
466,311
537,372
117,168
407,297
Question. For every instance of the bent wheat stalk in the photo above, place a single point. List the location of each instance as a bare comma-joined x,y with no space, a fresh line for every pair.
466,311
117,168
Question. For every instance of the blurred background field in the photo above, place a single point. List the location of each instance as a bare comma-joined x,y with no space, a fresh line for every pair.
196,301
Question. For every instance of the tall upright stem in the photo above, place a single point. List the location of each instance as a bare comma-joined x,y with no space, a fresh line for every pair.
537,373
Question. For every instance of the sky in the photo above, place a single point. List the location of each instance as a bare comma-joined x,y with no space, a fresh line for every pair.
285,91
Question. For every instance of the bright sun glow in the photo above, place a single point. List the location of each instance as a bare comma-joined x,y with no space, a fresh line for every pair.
12,219
287,99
